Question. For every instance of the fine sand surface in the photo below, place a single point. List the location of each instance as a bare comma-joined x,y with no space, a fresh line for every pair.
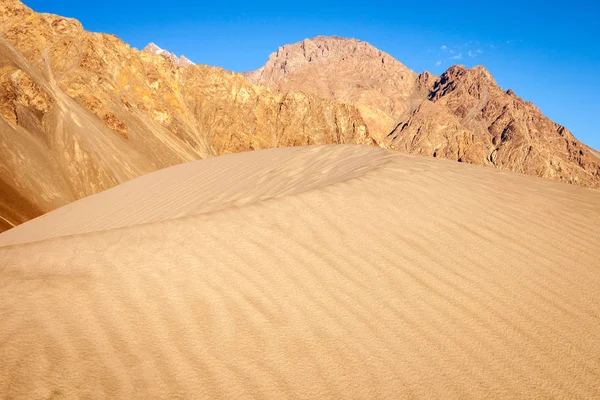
313,272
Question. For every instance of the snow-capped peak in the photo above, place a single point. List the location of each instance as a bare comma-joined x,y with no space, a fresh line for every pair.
181,61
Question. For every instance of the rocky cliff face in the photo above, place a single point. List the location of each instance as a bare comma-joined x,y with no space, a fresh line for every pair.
462,115
81,112
468,117
345,70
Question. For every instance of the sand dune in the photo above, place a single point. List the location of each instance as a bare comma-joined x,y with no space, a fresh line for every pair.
201,187
315,272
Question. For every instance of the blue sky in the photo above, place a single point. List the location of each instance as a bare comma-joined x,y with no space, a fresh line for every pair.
548,53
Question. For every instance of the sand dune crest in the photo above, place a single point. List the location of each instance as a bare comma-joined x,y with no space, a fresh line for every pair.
319,272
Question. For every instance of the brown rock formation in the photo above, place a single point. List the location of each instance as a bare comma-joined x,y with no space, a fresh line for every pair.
81,112
462,115
477,122
346,70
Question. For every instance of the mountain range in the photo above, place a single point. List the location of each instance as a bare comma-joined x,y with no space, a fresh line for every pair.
461,115
81,112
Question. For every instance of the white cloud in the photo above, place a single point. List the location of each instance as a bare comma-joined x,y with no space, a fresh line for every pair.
472,49
475,53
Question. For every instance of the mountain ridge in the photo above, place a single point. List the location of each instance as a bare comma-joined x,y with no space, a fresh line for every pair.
474,120
81,112
181,61
346,70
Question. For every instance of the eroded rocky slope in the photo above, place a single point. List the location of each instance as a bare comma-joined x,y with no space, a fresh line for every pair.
462,115
81,112
468,117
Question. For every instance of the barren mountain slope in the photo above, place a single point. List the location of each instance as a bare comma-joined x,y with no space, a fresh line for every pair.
52,151
346,70
473,120
92,112
476,121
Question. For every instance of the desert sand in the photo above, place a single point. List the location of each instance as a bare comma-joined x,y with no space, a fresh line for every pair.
309,272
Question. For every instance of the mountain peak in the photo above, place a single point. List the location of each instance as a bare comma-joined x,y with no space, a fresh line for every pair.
342,69
318,50
481,72
180,61
153,48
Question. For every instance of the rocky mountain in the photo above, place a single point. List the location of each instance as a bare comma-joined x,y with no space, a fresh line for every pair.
180,61
345,70
81,112
462,115
468,117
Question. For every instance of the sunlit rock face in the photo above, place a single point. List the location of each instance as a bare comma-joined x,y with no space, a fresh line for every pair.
82,112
